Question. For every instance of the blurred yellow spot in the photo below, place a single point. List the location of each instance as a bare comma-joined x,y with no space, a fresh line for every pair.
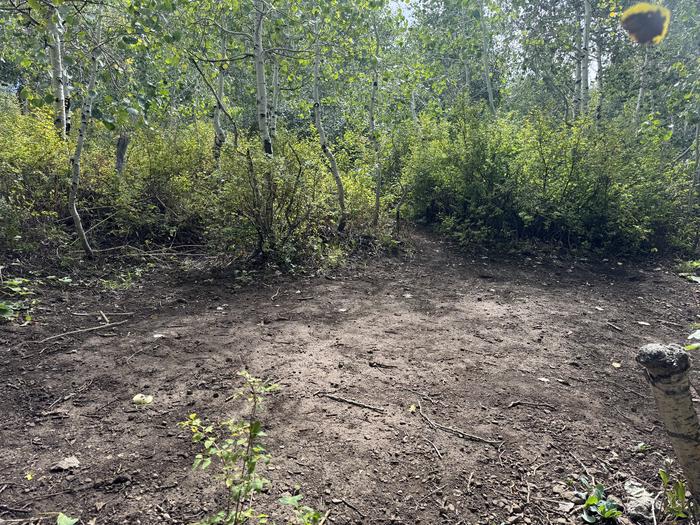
646,23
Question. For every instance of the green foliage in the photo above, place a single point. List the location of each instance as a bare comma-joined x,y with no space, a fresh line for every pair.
62,519
578,186
14,298
597,508
676,504
235,448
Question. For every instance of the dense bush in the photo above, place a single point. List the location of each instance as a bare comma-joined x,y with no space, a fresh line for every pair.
172,192
583,184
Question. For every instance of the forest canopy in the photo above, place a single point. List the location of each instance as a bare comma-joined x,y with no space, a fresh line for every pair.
283,129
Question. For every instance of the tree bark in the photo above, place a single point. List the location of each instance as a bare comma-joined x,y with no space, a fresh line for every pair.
642,87
695,190
576,106
667,369
585,56
373,129
219,133
260,82
342,220
599,81
120,157
85,116
486,56
55,31
274,106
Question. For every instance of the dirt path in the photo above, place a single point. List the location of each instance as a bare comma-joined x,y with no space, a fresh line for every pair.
466,339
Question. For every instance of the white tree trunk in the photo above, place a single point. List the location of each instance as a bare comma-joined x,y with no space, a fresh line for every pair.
486,56
667,368
260,83
219,133
599,80
375,146
576,106
85,117
322,136
585,56
55,33
642,86
274,106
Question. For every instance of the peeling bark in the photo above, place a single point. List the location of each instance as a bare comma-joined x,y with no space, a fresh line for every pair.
55,32
667,369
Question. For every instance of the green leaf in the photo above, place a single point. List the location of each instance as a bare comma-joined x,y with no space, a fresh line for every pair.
294,501
62,519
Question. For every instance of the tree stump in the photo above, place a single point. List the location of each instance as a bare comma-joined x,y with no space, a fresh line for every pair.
667,369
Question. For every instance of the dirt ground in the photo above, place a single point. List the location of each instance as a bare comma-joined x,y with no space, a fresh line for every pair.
519,352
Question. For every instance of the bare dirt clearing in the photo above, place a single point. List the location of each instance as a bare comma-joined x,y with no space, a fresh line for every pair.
516,352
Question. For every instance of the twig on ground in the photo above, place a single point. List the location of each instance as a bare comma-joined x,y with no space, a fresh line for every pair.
351,402
12,509
614,326
430,494
457,432
653,508
275,294
434,447
469,482
353,507
530,404
584,467
90,314
325,517
104,317
82,330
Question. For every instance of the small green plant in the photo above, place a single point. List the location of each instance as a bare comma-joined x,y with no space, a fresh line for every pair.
304,515
676,503
235,448
14,298
597,508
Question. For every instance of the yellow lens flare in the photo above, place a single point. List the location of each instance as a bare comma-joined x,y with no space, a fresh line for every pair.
646,23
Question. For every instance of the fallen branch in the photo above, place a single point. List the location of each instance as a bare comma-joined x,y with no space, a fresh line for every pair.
325,517
351,402
614,326
349,505
455,431
82,330
529,404
434,447
90,314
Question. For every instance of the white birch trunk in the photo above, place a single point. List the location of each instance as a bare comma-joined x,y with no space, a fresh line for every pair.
599,80
55,32
260,81
486,56
85,117
642,87
274,106
667,369
322,136
373,128
576,106
585,56
375,146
